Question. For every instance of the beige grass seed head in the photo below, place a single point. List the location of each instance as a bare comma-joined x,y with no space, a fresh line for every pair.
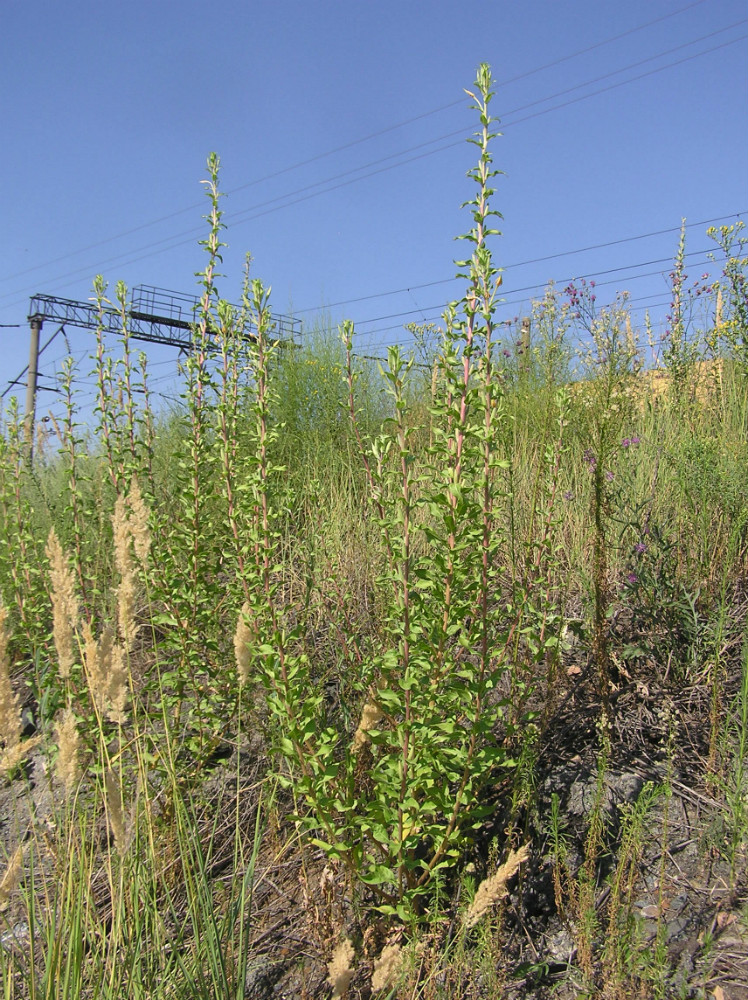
11,877
13,756
68,747
492,889
116,812
139,523
64,604
10,705
123,559
118,688
370,716
93,667
107,673
244,636
340,968
387,967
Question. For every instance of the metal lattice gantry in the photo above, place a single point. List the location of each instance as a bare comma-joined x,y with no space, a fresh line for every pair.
156,315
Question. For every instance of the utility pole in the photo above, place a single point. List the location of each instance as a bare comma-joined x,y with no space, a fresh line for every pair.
36,329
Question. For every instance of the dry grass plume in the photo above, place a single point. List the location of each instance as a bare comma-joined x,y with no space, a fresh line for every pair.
370,716
10,708
243,638
68,747
127,590
387,967
64,605
340,968
11,877
492,889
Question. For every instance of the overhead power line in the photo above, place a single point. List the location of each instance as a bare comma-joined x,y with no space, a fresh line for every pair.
633,79
357,142
434,312
640,62
305,193
524,263
562,281
23,372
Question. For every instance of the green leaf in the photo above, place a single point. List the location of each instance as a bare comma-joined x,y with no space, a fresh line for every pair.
379,875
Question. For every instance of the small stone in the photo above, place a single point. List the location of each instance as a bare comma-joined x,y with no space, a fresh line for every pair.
560,946
676,927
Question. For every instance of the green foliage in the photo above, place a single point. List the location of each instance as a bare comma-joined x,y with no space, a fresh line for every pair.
21,553
734,246
397,553
396,805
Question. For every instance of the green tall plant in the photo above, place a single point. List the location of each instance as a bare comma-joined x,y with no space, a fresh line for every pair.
189,549
396,804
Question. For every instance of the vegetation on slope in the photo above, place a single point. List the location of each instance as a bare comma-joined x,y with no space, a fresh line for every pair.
399,680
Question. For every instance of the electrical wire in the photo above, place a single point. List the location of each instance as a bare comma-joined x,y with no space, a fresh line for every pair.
435,316
525,263
564,281
269,206
22,373
548,257
357,142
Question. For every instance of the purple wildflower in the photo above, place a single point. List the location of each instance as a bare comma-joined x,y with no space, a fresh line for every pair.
639,548
609,476
632,578
626,442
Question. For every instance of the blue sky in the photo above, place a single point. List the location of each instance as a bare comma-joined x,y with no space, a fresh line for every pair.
341,131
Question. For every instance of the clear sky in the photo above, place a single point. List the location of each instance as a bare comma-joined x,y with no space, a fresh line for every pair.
340,128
